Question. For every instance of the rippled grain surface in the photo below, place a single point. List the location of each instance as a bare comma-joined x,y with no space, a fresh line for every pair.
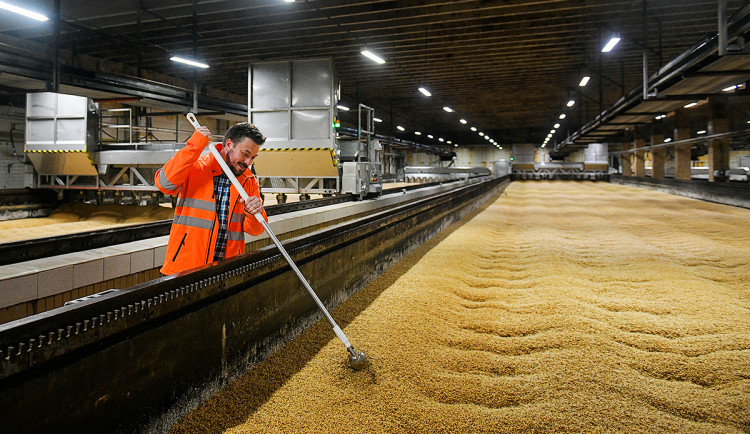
562,306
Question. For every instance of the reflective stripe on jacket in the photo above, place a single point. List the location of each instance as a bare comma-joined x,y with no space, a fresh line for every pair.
192,238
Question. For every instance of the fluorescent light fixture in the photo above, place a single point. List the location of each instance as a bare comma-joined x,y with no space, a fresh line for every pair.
188,62
562,116
448,109
429,136
481,134
667,140
557,126
400,128
21,11
441,139
702,132
463,121
473,128
692,104
456,145
552,131
584,81
377,119
418,133
425,92
449,142
372,56
611,44
730,88
571,103
343,107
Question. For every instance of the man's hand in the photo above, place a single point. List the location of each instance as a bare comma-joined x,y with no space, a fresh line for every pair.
253,206
205,131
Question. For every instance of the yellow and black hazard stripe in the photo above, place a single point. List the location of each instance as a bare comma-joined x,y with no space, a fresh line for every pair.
297,149
55,151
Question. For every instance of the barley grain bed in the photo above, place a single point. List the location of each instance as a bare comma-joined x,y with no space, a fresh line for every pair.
561,306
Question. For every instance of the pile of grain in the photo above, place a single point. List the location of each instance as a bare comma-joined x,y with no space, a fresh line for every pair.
561,307
80,217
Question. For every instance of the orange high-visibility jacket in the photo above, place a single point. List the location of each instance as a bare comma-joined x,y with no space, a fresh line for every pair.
192,238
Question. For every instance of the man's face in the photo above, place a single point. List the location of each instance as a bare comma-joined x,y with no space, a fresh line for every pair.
240,155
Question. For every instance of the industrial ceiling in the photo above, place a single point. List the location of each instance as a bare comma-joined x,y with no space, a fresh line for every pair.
507,67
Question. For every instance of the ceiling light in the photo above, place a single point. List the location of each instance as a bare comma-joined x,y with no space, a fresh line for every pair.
473,128
372,56
190,62
730,88
21,11
667,140
692,104
425,92
430,136
611,44
456,145
346,109
449,142
499,147
441,139
377,119
552,131
562,116
400,128
544,144
481,134
463,121
571,103
702,132
584,81
418,133
289,1
448,109
557,125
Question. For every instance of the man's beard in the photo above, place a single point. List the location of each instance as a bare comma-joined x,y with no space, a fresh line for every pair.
236,169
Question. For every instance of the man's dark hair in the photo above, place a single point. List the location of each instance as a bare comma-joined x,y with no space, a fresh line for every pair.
242,130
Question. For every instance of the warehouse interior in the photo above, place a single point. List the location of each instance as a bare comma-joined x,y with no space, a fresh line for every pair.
587,161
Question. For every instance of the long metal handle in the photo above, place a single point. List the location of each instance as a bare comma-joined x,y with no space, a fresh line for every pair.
262,221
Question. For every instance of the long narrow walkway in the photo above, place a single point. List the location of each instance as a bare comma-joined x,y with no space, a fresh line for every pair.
562,306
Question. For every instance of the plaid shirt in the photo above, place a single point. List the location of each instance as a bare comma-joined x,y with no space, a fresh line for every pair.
221,194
